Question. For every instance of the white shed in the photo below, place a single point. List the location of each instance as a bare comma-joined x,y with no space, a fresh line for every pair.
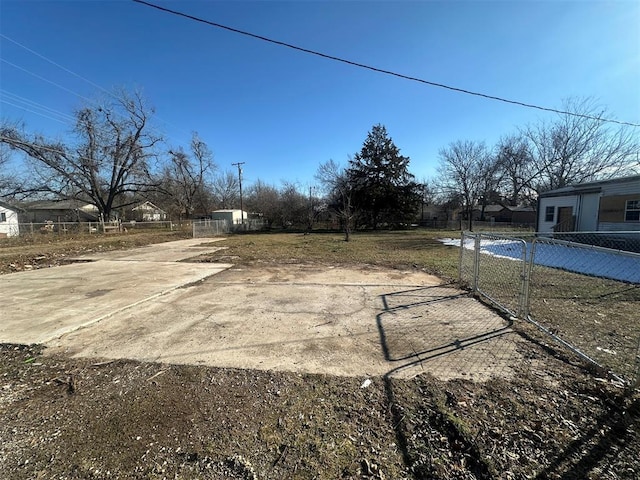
8,221
233,217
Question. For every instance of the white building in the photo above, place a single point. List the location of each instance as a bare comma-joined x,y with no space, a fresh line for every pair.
606,205
148,212
233,217
8,220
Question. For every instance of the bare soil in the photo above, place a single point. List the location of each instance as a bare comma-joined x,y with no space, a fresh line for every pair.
82,418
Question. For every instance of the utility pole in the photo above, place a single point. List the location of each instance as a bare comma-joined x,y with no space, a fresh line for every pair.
310,208
239,165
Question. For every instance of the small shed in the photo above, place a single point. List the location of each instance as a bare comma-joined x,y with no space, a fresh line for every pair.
9,226
233,217
606,205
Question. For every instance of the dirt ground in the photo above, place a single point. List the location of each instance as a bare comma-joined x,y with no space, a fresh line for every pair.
65,418
77,409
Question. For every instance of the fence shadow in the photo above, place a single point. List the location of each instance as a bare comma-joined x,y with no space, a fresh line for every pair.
582,455
429,322
434,308
595,446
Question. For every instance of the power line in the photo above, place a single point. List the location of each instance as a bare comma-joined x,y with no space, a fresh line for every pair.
33,104
57,64
45,80
380,70
112,95
22,107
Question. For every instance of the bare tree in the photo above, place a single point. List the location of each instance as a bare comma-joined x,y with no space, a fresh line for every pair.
265,200
517,168
109,161
186,178
575,149
226,189
465,171
491,176
293,205
339,192
6,180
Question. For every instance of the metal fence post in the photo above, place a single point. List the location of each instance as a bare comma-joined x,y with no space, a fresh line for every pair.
476,262
636,382
527,270
460,259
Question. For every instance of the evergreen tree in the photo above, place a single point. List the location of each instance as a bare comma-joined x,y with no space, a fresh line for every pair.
384,192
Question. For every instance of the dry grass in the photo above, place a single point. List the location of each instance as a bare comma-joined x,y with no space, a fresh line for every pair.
400,249
596,315
129,419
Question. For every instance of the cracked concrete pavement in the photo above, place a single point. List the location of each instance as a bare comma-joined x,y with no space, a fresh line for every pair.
150,305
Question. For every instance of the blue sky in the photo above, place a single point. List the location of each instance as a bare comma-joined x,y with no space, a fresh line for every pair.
284,112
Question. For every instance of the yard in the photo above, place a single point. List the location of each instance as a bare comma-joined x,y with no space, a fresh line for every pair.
69,417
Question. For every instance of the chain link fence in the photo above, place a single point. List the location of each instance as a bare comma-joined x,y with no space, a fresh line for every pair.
75,228
572,285
209,228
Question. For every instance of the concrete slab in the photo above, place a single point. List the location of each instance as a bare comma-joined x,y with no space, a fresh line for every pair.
160,252
43,304
146,304
340,321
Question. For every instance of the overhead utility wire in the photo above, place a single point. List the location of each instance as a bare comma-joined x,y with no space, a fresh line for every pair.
22,107
57,64
380,70
45,79
111,94
33,104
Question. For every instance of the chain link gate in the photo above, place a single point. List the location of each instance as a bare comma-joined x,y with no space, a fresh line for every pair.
583,295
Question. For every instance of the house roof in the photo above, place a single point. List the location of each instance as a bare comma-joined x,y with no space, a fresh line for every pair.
148,206
523,208
589,187
59,205
495,208
10,207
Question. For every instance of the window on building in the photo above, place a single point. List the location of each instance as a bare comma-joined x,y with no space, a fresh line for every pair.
632,211
549,214
3,217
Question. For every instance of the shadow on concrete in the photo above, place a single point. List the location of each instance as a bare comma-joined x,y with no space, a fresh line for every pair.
410,303
415,313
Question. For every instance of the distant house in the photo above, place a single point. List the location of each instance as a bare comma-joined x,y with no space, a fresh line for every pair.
148,212
523,215
606,205
58,211
233,217
8,220
519,215
498,213
432,215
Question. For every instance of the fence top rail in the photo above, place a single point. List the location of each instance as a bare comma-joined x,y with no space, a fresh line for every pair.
585,246
609,233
